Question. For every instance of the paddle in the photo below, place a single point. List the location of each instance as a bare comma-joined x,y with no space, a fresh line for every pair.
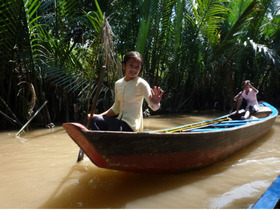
94,103
188,127
234,105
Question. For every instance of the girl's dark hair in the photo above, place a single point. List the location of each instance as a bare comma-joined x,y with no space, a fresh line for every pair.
133,54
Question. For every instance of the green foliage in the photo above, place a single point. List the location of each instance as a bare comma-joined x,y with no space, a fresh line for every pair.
209,14
142,35
198,51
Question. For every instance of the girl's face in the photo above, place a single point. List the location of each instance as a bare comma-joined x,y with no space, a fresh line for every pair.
132,68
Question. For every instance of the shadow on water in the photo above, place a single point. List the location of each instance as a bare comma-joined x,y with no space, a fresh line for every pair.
101,188
87,186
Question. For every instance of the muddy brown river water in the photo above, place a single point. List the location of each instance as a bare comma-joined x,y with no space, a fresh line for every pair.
39,170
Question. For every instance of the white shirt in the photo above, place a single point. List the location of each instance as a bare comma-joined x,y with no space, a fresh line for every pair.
129,97
251,99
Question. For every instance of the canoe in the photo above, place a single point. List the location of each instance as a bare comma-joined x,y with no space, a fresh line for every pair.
271,198
178,149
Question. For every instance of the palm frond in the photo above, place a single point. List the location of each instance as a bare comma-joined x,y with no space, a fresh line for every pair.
142,35
208,15
239,23
179,24
271,55
31,7
8,14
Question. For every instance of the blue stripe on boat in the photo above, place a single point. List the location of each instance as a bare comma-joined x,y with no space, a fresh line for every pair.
271,198
207,129
227,124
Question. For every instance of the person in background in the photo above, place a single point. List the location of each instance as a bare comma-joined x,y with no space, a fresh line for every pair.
130,92
249,93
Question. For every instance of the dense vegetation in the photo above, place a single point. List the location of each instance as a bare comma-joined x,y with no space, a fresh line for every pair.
198,51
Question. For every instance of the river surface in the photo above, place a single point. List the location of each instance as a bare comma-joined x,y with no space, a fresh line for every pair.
39,170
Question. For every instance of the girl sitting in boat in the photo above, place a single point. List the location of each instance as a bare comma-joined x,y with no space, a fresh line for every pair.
249,93
129,94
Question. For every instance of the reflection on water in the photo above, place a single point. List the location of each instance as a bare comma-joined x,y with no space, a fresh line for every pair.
40,171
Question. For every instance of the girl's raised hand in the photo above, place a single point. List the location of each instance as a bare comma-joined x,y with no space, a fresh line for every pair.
156,96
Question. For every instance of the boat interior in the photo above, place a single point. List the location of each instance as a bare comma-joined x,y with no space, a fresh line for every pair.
223,123
234,121
262,113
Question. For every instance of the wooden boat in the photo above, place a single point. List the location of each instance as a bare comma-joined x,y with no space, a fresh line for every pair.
177,149
271,198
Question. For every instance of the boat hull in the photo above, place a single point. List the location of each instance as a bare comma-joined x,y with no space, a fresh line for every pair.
152,152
